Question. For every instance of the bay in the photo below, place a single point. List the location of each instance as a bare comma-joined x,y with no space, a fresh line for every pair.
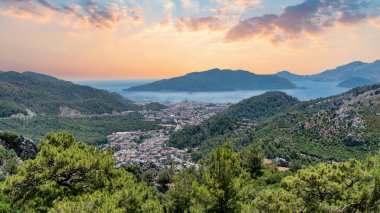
308,90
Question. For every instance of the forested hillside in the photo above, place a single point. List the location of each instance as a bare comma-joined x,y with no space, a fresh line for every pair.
330,129
93,129
255,108
33,93
218,80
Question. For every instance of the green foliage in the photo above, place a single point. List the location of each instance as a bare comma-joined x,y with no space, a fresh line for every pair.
180,193
125,196
165,178
262,106
255,108
335,187
4,205
10,138
68,175
252,159
93,130
278,200
214,188
194,136
221,185
8,162
8,109
154,106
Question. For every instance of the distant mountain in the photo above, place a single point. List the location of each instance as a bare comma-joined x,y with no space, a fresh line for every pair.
354,69
355,82
291,76
341,73
23,93
218,80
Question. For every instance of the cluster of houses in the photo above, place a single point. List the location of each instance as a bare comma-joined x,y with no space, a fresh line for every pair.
139,147
179,115
148,147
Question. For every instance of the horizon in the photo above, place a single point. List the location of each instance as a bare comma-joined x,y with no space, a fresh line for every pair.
169,77
154,39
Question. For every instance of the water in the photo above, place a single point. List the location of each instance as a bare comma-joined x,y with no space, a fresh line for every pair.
311,90
113,86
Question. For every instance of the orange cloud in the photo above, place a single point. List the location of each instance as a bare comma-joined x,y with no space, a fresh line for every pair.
87,13
196,24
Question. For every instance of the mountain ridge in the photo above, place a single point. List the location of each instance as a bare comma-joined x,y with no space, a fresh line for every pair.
217,80
340,73
22,93
355,82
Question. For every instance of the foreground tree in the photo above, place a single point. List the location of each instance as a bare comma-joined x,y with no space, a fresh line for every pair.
336,187
66,168
252,159
180,193
278,200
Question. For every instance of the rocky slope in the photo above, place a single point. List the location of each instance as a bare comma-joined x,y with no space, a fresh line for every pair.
23,147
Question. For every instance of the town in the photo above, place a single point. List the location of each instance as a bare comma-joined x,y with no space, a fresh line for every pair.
144,147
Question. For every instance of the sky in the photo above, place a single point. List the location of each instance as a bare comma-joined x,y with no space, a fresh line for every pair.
136,39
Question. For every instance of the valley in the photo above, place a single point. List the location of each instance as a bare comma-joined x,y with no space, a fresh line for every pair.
190,106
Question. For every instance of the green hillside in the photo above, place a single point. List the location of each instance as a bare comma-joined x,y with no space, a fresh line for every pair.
218,80
92,129
330,129
43,94
256,108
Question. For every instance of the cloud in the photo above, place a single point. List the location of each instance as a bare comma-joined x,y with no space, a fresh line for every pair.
234,7
308,17
196,24
375,22
89,12
222,16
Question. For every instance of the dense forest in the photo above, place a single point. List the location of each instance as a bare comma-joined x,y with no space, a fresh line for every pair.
92,129
255,108
69,176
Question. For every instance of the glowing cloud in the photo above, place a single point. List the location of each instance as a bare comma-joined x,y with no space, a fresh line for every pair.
102,16
196,24
308,17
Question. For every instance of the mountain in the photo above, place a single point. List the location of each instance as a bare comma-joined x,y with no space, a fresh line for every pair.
355,82
256,108
34,93
354,69
218,80
341,73
291,76
330,129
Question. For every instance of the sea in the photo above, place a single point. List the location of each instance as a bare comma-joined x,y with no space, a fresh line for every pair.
307,90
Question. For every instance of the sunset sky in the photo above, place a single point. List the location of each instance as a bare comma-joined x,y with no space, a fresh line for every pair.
125,39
